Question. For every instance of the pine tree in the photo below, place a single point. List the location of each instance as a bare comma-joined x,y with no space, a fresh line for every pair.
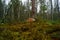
33,8
15,9
51,9
1,9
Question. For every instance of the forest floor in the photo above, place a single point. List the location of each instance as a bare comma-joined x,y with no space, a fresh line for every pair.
30,31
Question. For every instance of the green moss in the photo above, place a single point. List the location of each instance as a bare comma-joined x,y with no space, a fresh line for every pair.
26,31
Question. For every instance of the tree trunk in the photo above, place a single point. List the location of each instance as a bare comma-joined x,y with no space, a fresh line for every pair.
51,10
33,8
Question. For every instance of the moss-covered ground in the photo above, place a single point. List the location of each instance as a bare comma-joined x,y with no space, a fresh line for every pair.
30,31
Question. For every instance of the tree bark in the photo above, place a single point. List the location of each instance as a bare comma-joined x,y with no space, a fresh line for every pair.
33,8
